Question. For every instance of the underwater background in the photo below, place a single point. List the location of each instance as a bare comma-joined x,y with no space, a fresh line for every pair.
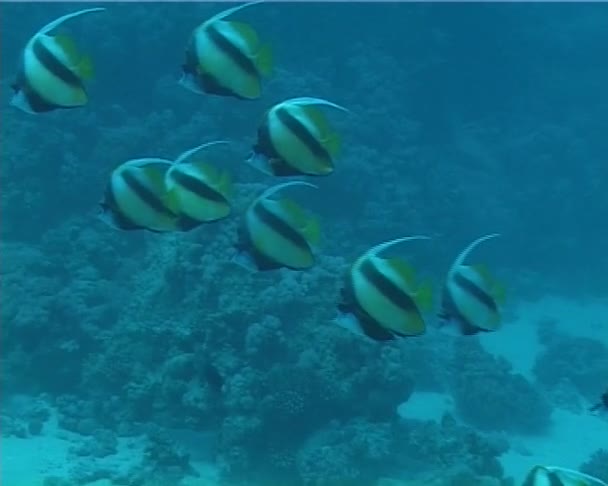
140,358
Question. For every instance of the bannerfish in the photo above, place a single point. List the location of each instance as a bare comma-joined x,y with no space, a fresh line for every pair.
295,138
226,58
471,297
277,233
136,197
558,476
51,71
198,191
380,297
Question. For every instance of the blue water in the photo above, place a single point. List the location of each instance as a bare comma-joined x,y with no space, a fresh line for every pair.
464,120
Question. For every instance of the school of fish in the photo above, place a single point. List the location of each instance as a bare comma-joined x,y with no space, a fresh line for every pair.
381,298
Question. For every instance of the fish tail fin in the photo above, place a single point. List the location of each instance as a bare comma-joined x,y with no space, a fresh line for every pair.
424,296
264,60
85,68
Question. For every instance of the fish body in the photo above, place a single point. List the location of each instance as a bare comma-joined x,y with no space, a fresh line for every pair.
51,72
557,476
380,298
136,197
471,297
226,58
199,192
277,233
295,138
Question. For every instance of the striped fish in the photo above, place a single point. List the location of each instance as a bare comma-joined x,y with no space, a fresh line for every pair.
380,299
277,233
558,476
471,297
197,190
136,197
51,73
295,138
226,58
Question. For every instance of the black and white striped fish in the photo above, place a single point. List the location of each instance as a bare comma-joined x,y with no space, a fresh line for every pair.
198,191
559,476
471,297
51,73
277,233
163,195
295,138
136,197
380,297
226,58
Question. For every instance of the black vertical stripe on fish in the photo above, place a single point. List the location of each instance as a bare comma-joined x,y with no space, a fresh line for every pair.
53,65
264,145
281,227
37,103
301,132
369,326
145,194
245,245
121,220
450,310
197,187
472,288
387,287
232,51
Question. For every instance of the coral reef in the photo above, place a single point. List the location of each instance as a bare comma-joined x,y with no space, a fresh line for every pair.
489,395
571,361
597,465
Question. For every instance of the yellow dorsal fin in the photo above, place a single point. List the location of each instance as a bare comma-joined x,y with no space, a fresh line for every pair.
303,222
318,119
247,33
210,174
424,297
293,212
264,60
328,138
68,46
404,270
483,272
80,64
